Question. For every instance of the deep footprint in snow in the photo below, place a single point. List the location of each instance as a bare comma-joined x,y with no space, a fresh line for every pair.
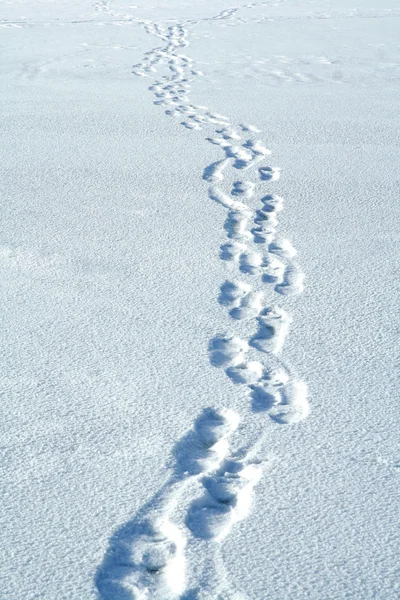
214,172
257,147
206,445
283,248
251,262
250,128
236,224
242,156
249,307
265,229
274,270
243,188
292,282
227,351
246,372
214,425
294,406
270,173
227,499
232,292
272,203
273,328
146,560
267,392
232,250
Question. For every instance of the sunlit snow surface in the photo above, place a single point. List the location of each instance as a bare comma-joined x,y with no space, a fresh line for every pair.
199,300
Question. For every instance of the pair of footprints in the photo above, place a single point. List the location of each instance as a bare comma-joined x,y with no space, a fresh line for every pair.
226,481
272,389
245,155
273,323
288,279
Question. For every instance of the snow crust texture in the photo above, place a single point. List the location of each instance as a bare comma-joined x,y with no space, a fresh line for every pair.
213,482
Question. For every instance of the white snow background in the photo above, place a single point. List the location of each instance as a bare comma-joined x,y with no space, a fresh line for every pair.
147,454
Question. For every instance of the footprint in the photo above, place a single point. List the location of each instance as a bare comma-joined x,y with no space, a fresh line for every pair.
147,561
266,224
232,292
264,233
158,551
227,500
219,142
250,306
226,351
227,201
205,446
292,283
241,155
226,485
229,134
267,393
270,173
236,224
283,248
267,220
243,188
272,203
248,372
217,117
274,270
251,262
214,172
250,128
232,250
294,406
257,147
273,328
214,425
191,125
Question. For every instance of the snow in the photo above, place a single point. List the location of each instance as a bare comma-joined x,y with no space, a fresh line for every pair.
199,266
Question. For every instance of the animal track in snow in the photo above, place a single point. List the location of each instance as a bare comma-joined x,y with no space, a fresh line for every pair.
229,134
214,172
215,425
257,147
250,128
265,230
272,203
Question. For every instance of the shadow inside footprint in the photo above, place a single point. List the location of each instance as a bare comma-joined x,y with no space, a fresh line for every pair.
261,399
228,293
142,550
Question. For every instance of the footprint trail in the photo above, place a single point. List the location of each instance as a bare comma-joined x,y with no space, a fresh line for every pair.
217,464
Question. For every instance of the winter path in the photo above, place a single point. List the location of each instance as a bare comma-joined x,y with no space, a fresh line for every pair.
147,556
